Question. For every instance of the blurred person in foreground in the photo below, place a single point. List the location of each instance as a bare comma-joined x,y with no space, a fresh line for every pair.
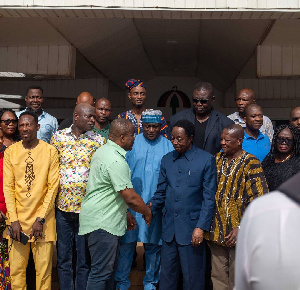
267,254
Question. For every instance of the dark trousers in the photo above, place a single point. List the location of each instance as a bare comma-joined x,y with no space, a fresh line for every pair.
190,259
104,249
67,227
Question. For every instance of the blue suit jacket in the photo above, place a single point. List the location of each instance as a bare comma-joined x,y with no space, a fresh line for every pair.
216,123
185,194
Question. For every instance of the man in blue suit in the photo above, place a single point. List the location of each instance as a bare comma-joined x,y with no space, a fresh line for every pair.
186,195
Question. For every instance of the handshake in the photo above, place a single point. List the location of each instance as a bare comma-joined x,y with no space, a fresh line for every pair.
147,216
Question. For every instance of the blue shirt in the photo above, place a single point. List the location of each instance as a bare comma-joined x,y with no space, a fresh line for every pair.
48,125
259,147
144,161
185,194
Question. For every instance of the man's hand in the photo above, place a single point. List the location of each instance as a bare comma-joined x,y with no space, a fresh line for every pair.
197,237
37,229
230,240
15,230
148,216
131,222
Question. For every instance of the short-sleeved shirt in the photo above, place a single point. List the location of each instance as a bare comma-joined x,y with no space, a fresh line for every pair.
103,132
48,125
103,207
259,147
266,128
75,156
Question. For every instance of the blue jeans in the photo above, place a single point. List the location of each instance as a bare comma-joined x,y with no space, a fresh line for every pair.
152,258
67,226
103,248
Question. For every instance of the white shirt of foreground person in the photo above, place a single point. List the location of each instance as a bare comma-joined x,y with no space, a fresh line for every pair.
268,251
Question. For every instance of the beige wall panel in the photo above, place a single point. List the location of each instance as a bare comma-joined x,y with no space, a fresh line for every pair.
53,56
32,61
22,58
296,60
43,52
3,59
287,60
276,60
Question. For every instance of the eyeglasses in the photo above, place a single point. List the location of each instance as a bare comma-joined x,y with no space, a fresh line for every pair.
8,121
202,101
287,141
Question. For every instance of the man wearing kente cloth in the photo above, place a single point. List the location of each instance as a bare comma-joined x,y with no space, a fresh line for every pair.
240,179
144,162
31,178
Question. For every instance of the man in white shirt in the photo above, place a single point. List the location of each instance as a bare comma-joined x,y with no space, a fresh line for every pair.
244,98
268,253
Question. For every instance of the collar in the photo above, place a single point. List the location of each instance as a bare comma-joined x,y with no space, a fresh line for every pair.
291,188
43,115
189,155
69,131
95,129
260,136
118,148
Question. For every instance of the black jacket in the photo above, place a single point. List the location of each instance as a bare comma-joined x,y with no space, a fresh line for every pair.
216,123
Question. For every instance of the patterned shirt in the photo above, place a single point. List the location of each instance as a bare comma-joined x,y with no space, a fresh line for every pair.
238,183
138,127
48,125
266,128
75,155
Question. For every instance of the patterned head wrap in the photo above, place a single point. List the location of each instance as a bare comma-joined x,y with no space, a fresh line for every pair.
151,116
134,83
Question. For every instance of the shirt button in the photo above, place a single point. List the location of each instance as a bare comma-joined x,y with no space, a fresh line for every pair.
179,171
176,215
176,200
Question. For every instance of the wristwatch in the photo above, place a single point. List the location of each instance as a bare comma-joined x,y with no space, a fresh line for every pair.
40,220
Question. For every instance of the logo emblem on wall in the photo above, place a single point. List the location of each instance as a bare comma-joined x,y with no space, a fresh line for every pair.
172,98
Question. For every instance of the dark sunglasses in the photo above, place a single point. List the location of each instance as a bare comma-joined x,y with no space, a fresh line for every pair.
204,101
287,141
8,121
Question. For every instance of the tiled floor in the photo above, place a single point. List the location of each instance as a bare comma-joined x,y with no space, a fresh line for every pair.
136,275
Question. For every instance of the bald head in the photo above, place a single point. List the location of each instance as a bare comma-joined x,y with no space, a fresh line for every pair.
119,127
84,118
85,97
247,92
122,133
295,117
235,131
244,98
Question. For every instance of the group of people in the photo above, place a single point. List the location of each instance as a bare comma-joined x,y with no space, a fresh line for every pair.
96,188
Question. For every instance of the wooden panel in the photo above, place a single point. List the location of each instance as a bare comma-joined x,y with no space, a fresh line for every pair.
296,61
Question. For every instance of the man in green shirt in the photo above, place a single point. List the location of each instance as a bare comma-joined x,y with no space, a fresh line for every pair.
103,209
103,111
